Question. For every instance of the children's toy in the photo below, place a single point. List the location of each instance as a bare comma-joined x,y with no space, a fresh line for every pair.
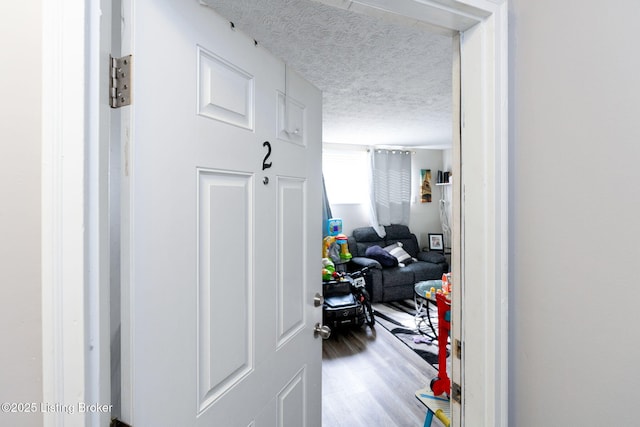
331,249
334,226
328,269
446,284
326,245
442,384
437,407
342,241
346,301
421,339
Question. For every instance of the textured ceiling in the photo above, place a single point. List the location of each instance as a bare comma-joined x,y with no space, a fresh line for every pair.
383,82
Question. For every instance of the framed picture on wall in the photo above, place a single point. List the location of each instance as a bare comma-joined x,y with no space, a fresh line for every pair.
436,242
425,187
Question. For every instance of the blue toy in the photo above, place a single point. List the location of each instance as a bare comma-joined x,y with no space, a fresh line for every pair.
334,226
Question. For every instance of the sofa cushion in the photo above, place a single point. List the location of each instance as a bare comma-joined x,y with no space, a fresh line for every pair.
401,255
362,239
397,232
382,256
366,234
402,234
425,271
398,276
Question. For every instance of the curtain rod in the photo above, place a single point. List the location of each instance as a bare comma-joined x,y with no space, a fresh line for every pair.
391,150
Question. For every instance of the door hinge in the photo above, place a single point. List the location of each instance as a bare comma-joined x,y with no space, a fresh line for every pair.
117,423
458,349
120,81
456,392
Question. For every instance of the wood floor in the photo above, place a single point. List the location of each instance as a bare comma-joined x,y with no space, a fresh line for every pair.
369,378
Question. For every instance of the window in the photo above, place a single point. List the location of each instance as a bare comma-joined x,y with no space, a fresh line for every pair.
346,175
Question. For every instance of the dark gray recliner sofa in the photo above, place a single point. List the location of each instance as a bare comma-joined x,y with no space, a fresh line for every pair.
394,283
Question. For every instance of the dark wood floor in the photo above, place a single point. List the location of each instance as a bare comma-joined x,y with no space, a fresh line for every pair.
369,378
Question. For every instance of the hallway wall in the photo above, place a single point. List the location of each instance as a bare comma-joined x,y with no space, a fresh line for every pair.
20,193
574,209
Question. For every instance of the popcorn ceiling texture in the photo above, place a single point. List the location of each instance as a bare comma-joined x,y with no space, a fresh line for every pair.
383,82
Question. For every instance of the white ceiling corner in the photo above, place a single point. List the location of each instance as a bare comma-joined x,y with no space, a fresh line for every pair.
385,79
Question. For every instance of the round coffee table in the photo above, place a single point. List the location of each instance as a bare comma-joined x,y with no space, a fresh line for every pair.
422,302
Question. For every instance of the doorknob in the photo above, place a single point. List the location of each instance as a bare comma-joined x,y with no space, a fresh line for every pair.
322,330
318,300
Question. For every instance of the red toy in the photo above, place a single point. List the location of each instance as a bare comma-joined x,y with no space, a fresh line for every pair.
442,383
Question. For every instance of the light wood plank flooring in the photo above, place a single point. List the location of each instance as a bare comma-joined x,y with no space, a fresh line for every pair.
369,378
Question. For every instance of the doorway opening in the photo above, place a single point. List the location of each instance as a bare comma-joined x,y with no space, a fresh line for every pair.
485,122
388,370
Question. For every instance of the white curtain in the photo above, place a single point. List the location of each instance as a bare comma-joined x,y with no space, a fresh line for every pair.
391,188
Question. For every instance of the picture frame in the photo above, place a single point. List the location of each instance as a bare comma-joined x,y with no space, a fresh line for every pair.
425,187
436,242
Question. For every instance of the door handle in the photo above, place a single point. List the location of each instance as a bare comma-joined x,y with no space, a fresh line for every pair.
322,330
318,300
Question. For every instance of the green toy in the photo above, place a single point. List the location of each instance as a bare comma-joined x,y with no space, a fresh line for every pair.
328,269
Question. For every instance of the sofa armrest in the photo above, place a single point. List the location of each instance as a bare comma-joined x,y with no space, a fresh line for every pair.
431,256
373,276
362,262
374,284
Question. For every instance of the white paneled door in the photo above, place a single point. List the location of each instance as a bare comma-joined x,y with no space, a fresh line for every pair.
222,228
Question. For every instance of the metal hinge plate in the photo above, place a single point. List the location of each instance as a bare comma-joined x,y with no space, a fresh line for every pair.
456,392
458,349
117,423
120,81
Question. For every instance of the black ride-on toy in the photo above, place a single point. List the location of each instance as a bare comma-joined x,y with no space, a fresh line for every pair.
346,301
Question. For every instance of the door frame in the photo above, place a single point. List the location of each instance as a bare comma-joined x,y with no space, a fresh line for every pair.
74,212
75,237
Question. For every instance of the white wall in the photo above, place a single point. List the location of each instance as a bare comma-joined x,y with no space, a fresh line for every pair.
574,209
447,159
20,155
352,215
425,217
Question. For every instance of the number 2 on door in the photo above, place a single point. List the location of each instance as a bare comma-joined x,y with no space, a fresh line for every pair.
266,165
